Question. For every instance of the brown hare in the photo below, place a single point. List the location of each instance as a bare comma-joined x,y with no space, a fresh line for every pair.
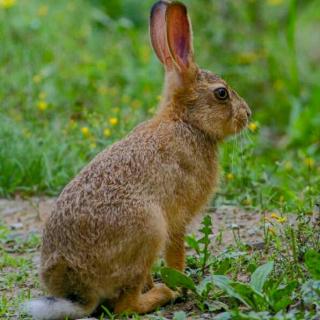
136,198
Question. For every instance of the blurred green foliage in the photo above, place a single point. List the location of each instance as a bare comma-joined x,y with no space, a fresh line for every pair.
77,75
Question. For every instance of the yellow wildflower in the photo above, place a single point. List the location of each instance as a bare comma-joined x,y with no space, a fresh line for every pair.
85,131
230,176
136,104
309,162
253,126
42,105
6,4
247,202
274,216
248,57
282,219
93,145
274,2
159,98
36,78
278,218
107,132
43,10
113,121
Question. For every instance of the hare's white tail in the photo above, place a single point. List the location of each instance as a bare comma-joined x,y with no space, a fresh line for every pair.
51,308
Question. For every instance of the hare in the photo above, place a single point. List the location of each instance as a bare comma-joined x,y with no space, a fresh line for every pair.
135,199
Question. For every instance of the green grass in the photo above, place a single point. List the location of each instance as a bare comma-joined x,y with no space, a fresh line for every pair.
16,270
77,75
55,83
283,278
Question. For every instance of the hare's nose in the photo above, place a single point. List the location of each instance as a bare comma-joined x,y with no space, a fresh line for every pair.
248,111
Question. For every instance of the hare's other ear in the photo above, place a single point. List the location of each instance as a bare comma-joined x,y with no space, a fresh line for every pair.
158,33
179,35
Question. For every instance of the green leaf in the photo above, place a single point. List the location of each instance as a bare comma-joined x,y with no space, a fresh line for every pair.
260,276
108,313
255,299
207,221
180,315
225,284
204,240
311,293
215,305
312,261
204,285
192,242
223,316
281,297
174,278
252,315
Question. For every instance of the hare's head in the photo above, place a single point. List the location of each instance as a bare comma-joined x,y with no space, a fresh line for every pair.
195,96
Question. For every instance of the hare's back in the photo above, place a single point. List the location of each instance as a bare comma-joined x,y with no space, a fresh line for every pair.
115,179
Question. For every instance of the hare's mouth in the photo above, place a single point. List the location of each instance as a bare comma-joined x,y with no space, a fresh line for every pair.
240,123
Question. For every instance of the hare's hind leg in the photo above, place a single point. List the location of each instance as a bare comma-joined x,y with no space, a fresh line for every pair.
135,301
148,284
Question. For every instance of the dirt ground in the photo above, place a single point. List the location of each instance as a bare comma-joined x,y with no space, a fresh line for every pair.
28,216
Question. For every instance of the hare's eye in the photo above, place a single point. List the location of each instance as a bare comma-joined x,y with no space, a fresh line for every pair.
221,93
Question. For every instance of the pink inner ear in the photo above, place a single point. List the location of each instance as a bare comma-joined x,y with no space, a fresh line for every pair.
182,49
179,34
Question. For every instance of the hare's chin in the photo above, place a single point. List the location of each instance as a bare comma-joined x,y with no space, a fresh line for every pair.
240,124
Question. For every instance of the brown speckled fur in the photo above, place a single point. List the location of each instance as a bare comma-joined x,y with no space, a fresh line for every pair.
136,198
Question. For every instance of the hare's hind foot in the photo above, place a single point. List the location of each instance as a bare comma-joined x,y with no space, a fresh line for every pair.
135,301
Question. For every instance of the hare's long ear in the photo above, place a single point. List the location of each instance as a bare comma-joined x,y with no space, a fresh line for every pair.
179,36
158,33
